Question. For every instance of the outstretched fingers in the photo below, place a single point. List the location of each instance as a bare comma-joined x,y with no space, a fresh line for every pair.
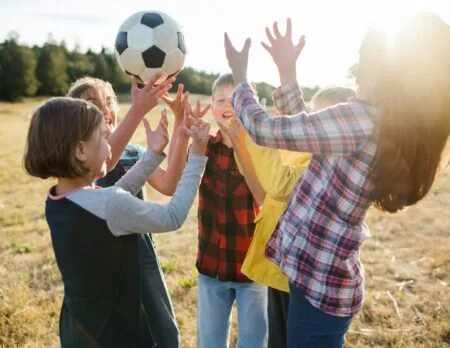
148,128
300,45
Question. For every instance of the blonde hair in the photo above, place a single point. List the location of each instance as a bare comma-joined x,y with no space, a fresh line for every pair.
222,80
83,84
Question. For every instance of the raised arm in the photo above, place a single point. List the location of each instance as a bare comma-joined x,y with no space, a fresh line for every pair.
338,130
236,133
157,140
126,214
334,131
143,100
166,180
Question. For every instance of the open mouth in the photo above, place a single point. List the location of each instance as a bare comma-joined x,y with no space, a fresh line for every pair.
228,115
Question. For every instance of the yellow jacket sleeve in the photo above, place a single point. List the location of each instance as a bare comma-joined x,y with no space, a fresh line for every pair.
277,178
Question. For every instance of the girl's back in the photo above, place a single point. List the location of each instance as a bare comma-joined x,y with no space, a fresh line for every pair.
100,274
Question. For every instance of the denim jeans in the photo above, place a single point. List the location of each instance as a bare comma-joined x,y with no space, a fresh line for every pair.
214,303
156,298
309,327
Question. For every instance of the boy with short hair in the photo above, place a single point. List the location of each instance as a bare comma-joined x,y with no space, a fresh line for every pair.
226,214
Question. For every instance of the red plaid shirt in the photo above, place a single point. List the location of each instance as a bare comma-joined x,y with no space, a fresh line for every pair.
226,212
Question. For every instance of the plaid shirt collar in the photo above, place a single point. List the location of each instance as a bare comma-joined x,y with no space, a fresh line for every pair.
218,138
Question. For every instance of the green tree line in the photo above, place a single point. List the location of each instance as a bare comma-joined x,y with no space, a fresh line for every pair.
48,70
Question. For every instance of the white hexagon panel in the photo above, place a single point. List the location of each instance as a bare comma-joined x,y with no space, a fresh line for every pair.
148,73
140,37
174,60
132,62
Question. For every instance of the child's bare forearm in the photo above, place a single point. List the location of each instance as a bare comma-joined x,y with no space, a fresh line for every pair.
122,135
173,139
165,181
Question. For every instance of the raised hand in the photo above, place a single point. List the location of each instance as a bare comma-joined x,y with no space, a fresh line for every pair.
283,51
157,139
234,130
199,132
196,128
144,99
178,103
237,60
197,112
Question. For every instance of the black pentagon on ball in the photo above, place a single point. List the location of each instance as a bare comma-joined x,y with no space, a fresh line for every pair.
153,57
181,45
121,41
151,20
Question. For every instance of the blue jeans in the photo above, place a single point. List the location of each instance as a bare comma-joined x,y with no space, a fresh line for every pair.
309,327
155,297
214,303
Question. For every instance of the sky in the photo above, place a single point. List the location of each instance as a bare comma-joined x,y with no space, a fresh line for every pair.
333,28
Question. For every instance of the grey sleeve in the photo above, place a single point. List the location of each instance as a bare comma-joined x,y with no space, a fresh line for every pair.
136,177
126,214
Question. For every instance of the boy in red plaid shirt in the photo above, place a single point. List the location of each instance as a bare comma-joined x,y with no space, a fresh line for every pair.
226,216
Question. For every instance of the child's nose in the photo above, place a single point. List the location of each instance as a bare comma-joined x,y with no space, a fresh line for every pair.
105,110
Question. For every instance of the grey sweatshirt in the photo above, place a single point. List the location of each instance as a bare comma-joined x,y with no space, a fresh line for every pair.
126,214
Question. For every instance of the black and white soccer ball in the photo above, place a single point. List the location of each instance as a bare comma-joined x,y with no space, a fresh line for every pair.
149,43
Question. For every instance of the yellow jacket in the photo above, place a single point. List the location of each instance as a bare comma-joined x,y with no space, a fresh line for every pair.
278,172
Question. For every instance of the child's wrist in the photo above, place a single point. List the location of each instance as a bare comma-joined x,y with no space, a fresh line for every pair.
197,148
157,150
238,145
287,75
136,111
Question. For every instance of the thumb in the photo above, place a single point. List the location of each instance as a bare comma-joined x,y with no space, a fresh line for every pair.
223,126
164,120
148,128
247,45
300,45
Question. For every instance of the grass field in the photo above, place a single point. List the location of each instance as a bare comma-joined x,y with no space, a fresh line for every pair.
407,262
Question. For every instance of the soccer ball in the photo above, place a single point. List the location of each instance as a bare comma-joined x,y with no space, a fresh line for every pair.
148,43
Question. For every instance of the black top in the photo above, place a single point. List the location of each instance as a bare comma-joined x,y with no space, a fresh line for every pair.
102,304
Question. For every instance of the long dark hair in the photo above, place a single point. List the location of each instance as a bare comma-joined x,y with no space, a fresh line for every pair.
413,93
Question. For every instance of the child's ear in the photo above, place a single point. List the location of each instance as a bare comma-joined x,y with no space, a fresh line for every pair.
80,151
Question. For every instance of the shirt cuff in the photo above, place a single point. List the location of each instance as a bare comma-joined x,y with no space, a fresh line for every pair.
279,94
195,157
152,157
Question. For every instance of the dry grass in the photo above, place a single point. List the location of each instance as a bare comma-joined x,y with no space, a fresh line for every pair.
407,262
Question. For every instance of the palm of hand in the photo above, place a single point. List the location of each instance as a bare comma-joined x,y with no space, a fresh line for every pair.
156,139
178,103
282,50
